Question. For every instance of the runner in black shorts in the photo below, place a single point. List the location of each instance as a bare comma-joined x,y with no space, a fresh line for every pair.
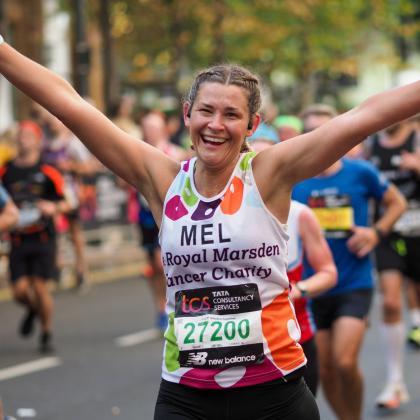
395,153
38,191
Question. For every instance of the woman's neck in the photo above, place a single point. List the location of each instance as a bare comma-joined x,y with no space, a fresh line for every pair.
210,182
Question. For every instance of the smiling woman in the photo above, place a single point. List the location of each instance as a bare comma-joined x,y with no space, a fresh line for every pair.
219,120
249,196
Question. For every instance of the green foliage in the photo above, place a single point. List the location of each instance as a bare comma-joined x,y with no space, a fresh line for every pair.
164,39
300,37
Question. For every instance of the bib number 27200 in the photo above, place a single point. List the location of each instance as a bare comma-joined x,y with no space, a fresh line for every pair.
222,324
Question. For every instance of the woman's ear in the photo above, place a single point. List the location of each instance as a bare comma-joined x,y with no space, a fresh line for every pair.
186,111
253,124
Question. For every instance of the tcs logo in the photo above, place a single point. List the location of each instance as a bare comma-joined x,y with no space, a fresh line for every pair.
195,304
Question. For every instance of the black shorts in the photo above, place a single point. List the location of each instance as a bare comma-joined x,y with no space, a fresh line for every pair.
311,374
32,258
268,401
149,238
399,253
328,309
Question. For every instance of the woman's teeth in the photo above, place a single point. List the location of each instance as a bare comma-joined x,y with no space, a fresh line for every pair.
214,140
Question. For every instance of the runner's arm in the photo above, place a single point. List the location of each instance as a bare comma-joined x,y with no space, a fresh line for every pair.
9,215
364,239
318,254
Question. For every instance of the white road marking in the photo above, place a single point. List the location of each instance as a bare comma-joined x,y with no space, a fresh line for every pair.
29,367
138,338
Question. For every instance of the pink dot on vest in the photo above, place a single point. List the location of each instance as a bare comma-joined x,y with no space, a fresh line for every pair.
175,209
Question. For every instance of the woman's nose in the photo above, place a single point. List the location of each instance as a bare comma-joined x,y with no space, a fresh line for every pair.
216,122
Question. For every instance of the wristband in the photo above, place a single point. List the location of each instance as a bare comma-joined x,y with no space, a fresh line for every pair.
302,289
1,40
381,235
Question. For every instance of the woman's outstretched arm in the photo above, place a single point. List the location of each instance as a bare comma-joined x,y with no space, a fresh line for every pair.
309,154
131,159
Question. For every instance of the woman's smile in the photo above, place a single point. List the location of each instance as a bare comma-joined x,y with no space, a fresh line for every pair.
213,140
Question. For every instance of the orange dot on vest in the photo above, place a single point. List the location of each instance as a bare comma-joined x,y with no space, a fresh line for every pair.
232,199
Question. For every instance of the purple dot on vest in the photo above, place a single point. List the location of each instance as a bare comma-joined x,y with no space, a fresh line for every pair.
205,210
175,209
186,166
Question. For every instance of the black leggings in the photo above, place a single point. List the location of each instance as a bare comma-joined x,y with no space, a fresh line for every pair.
311,374
275,400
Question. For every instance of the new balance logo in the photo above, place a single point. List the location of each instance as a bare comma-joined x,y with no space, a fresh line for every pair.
197,359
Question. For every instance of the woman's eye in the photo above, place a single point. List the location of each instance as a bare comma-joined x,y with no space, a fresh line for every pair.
205,111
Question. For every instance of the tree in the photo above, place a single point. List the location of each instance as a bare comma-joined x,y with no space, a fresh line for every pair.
312,41
25,23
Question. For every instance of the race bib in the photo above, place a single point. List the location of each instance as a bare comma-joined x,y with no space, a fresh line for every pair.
334,213
219,327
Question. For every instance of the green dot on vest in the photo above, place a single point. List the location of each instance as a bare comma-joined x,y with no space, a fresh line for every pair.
245,160
187,194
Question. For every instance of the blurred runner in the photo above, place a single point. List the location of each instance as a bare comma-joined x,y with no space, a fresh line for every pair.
339,197
67,154
122,116
396,154
288,126
38,191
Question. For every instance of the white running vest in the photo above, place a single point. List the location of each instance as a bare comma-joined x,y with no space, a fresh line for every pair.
231,322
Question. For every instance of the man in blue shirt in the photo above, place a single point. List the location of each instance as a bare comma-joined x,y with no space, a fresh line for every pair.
339,197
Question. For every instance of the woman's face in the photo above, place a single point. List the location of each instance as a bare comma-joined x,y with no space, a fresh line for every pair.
218,123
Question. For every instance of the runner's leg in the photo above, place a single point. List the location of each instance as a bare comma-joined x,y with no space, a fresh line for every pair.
23,294
46,307
77,239
45,302
393,334
331,384
348,334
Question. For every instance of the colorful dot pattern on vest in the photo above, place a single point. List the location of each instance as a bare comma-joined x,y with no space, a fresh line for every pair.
231,322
